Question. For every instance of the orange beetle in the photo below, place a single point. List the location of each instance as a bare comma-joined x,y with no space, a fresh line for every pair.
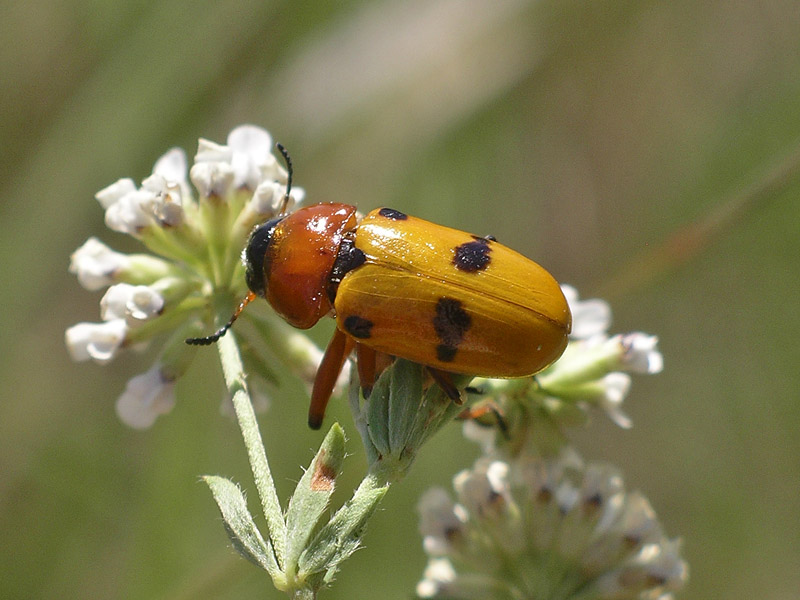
401,286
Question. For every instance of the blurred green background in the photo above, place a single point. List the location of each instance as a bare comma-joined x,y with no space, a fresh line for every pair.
643,151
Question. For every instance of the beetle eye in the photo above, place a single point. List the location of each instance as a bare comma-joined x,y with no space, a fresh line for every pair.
255,255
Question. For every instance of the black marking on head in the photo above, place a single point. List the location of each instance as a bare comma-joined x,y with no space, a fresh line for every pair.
394,215
358,327
450,324
256,256
347,258
472,256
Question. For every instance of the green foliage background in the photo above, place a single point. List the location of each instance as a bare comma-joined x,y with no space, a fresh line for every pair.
646,151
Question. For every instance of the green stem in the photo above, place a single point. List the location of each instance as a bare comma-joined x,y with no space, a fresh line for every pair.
304,594
235,380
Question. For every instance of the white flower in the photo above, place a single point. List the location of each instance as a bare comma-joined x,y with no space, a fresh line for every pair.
130,214
268,198
95,264
245,161
212,178
252,159
589,317
98,341
440,524
438,574
615,388
640,353
484,490
165,203
172,166
133,303
146,396
111,194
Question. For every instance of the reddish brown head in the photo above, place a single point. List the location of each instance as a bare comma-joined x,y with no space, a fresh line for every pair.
289,260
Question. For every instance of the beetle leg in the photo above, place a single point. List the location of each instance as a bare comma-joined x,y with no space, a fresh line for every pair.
327,374
445,381
365,357
487,407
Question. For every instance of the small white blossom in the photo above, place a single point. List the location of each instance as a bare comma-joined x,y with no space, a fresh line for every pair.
641,354
438,574
165,204
484,490
615,387
212,178
146,396
130,213
133,303
172,166
111,194
252,159
95,264
97,341
440,525
269,195
590,318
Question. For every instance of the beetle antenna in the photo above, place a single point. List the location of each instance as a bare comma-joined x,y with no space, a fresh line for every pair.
288,160
210,339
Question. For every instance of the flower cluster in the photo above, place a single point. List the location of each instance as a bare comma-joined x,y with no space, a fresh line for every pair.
535,527
192,273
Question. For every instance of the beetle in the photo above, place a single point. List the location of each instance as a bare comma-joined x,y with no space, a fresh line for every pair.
404,287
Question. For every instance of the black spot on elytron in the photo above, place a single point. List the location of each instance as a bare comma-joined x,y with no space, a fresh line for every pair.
445,353
394,215
358,327
472,256
450,324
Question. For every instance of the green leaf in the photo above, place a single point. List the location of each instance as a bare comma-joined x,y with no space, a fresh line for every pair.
312,494
405,395
342,535
378,413
239,524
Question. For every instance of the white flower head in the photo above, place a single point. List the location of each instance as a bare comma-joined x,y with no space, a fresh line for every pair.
97,341
146,396
587,535
133,303
95,264
192,237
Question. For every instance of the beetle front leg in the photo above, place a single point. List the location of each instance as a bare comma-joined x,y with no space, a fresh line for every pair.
365,360
327,374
